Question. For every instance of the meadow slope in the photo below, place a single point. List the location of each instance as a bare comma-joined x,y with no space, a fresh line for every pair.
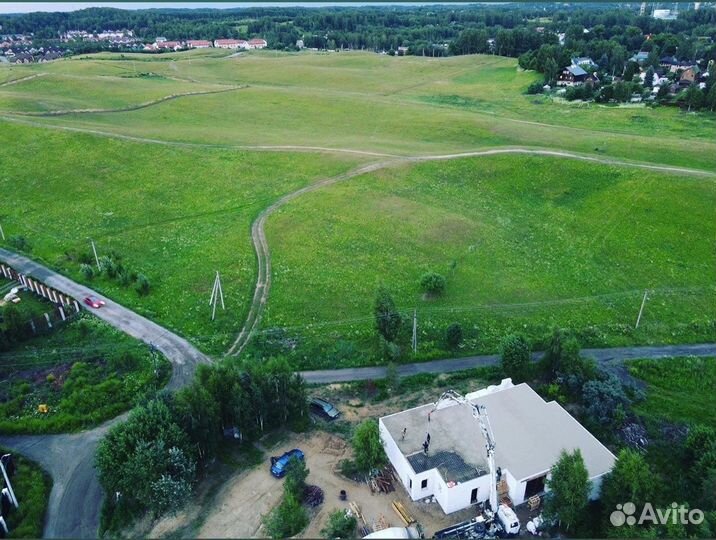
525,243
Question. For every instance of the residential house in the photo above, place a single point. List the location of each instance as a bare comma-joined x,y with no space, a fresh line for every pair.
572,76
640,57
690,74
257,43
529,434
584,62
170,45
22,58
231,43
198,44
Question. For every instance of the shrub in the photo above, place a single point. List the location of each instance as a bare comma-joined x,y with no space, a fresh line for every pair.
19,242
339,525
606,403
142,285
453,335
87,271
108,266
535,88
124,278
287,519
432,283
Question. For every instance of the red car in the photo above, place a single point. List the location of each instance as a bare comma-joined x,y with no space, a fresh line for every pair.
94,302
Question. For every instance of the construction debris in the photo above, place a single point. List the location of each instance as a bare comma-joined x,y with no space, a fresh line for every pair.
363,527
381,523
313,496
381,480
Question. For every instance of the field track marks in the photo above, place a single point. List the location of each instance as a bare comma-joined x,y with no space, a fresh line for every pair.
258,233
23,79
563,154
258,237
146,140
129,108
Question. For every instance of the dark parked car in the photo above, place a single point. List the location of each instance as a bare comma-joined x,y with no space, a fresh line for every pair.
324,409
279,465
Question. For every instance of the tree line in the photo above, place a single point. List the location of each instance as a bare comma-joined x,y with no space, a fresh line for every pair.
425,30
152,460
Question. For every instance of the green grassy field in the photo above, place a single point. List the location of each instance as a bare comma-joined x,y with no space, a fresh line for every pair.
361,101
577,247
525,243
176,215
85,371
679,390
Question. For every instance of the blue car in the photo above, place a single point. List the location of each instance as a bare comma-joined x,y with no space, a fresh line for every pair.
280,464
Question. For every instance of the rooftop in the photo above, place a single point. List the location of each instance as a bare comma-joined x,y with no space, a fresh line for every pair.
576,71
529,434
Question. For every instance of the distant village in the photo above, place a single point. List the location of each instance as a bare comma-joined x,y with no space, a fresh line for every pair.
671,76
20,48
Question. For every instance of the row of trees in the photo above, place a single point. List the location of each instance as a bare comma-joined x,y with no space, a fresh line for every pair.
150,461
632,480
611,31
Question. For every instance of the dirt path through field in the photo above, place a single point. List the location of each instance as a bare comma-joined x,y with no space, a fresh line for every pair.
261,247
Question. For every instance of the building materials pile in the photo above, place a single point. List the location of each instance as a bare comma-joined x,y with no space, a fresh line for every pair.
313,496
381,480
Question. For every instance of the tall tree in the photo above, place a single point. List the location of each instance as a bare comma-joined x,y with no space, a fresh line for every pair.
367,446
387,318
630,480
569,489
515,355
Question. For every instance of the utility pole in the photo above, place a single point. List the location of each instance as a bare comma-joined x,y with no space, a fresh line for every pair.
643,301
2,234
415,331
96,259
216,293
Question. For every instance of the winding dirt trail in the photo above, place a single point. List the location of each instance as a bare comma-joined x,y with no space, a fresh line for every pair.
261,247
128,108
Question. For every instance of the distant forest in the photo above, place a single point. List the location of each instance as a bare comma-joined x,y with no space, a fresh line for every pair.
613,30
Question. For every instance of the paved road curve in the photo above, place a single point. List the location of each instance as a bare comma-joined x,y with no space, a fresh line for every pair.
76,497
183,355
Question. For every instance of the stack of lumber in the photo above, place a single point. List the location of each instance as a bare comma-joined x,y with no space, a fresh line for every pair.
382,481
402,513
363,527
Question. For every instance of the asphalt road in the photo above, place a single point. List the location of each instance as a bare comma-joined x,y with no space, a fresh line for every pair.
182,354
601,356
76,497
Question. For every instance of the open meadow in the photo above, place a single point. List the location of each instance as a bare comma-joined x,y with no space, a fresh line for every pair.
525,243
361,101
162,161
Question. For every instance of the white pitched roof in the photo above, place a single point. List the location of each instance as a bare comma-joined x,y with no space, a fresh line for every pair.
529,433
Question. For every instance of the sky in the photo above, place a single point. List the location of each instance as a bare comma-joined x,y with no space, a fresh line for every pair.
27,7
